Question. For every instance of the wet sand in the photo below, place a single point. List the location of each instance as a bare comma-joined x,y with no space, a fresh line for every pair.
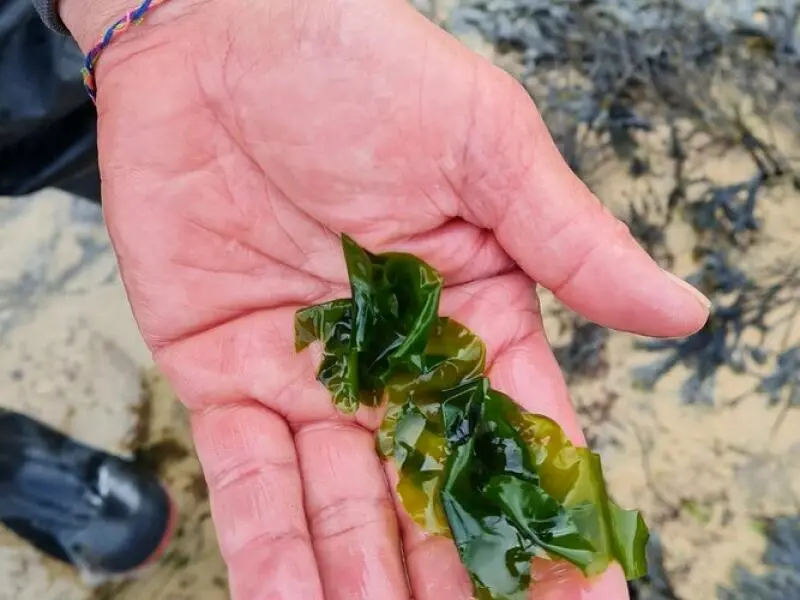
73,357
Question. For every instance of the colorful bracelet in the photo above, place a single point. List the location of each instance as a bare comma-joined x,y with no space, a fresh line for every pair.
133,17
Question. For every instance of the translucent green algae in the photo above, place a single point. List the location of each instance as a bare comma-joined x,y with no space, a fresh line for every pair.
506,485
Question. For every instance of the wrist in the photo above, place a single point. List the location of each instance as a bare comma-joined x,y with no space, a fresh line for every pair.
87,20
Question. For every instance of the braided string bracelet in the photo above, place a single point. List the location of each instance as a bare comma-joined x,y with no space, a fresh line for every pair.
118,28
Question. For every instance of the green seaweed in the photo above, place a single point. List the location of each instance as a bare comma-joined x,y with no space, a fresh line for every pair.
505,484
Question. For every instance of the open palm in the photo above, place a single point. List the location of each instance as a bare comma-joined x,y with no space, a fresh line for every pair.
237,141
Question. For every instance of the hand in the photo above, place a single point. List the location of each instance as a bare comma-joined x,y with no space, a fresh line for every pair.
237,140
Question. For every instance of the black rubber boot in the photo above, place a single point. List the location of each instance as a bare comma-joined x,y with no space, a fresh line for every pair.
80,505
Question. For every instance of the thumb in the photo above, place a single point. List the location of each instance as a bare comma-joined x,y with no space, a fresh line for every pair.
550,224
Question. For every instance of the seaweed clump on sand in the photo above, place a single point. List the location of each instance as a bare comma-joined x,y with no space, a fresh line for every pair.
782,559
784,379
743,305
613,69
504,484
584,355
780,579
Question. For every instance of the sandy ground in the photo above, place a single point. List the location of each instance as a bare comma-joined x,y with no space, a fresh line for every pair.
71,355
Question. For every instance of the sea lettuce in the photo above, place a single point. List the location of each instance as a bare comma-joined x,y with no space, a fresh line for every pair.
504,484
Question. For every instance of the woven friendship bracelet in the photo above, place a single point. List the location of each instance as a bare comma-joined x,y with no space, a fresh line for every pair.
133,17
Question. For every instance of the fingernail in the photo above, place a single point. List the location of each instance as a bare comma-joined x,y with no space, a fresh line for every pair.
560,581
701,298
